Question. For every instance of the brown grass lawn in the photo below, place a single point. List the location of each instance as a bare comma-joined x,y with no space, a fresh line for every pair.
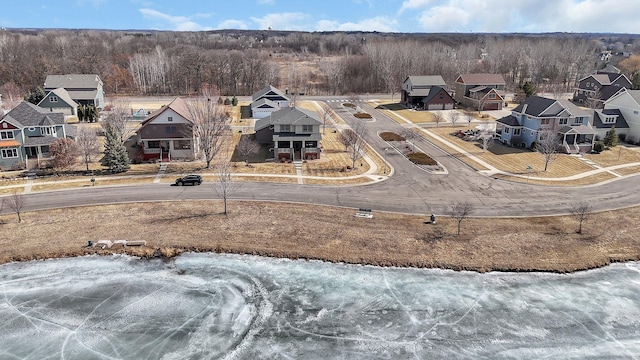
333,159
616,156
587,180
514,160
628,170
327,233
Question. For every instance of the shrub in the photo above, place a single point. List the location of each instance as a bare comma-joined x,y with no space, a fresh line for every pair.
391,136
227,101
234,101
598,146
421,159
362,116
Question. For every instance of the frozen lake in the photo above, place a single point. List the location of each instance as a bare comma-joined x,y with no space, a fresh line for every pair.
208,306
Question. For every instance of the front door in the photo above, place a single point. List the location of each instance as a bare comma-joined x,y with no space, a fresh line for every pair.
297,147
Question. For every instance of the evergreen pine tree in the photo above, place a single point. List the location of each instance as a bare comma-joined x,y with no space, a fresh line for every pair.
115,157
610,138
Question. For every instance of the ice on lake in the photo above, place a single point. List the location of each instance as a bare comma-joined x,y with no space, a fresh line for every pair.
209,306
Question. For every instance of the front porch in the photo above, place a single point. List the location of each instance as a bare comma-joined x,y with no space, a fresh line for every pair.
296,150
166,150
576,139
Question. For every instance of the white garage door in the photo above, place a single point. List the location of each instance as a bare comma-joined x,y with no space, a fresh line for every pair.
436,107
448,106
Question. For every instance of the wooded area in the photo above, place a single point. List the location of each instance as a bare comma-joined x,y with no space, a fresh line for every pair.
241,62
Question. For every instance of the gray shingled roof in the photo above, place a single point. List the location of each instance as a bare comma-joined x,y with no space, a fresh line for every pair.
581,129
289,115
509,120
433,91
264,91
264,101
535,105
40,140
72,81
598,115
62,94
27,114
635,94
83,95
426,80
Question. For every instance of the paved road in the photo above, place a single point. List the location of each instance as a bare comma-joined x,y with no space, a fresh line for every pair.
409,190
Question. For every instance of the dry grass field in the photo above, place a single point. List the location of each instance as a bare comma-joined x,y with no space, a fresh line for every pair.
513,160
616,156
326,233
587,180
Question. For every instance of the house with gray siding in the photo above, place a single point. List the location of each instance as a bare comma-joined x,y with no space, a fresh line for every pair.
59,100
84,89
26,132
267,100
598,87
480,91
294,134
167,133
426,92
571,124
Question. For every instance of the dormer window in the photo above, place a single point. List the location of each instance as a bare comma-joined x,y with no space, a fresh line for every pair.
170,118
609,120
53,99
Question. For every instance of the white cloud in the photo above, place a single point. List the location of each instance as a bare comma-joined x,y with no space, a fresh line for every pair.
176,23
283,21
414,4
233,24
525,15
380,23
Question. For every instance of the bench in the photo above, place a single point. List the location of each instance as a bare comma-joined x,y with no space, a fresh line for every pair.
364,213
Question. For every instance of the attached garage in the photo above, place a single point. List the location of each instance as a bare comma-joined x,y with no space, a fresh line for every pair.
435,107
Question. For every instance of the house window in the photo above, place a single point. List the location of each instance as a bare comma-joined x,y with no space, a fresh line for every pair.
609,120
10,153
182,144
4,135
285,128
516,131
506,130
307,128
171,129
53,99
153,144
492,96
45,131
544,122
170,118
562,121
310,144
577,120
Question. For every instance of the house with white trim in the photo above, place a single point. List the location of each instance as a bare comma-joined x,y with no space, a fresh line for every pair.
267,100
294,134
26,132
571,124
627,103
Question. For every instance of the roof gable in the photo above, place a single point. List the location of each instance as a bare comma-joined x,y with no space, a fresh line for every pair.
61,94
268,91
290,116
27,114
178,105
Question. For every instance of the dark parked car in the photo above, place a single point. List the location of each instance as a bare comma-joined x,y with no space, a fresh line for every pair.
189,180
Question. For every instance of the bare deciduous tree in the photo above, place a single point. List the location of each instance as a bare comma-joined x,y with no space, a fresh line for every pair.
88,145
581,211
468,115
410,136
248,146
224,185
353,141
64,153
119,116
210,125
437,117
326,115
453,117
459,212
15,202
547,145
480,99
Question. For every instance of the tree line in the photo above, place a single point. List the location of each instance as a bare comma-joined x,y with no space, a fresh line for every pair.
241,62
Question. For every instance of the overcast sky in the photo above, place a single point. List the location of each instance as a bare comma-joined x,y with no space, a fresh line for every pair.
536,16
